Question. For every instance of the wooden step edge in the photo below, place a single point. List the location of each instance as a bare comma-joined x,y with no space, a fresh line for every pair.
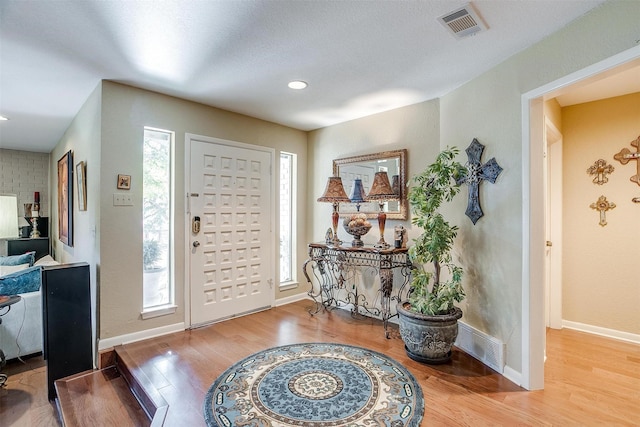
65,413
142,388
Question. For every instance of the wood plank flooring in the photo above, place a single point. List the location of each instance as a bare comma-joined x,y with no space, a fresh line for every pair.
96,398
589,380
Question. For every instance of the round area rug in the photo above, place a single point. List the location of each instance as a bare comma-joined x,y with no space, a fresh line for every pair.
315,384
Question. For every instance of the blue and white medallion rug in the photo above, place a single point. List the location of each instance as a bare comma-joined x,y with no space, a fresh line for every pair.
315,385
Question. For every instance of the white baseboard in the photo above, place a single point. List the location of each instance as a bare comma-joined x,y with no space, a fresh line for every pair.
484,347
106,343
293,298
605,332
512,375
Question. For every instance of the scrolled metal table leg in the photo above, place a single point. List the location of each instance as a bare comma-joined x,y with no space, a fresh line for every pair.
386,284
313,296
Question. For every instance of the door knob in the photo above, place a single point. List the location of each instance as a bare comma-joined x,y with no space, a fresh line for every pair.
549,243
196,244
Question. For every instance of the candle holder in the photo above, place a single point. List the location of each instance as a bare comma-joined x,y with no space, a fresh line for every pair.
34,232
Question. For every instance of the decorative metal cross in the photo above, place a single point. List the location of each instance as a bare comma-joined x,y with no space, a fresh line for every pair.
602,205
477,172
625,155
600,169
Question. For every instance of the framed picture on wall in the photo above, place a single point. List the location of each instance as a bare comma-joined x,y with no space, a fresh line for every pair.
65,199
124,182
81,178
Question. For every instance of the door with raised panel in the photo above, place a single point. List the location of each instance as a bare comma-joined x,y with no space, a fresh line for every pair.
231,255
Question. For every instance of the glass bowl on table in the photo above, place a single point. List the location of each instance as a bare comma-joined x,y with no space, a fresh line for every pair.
357,225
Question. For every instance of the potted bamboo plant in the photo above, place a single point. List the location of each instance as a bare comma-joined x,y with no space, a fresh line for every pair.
428,319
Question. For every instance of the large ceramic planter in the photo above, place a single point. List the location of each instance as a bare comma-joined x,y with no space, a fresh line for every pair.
427,338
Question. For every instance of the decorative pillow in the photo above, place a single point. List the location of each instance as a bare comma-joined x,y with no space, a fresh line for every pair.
28,258
21,282
8,269
46,260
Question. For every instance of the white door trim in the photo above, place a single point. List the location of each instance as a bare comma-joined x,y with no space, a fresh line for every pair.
553,302
189,138
533,336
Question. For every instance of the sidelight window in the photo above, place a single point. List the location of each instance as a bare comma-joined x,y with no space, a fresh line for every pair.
157,220
287,220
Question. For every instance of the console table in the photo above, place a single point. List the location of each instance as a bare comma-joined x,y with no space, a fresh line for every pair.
334,269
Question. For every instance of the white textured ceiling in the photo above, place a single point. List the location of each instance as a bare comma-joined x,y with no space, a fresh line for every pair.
359,57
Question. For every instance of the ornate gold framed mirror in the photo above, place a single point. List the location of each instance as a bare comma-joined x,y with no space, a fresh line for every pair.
364,167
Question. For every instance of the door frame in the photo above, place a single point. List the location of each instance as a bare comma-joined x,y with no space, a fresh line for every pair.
553,200
533,318
188,139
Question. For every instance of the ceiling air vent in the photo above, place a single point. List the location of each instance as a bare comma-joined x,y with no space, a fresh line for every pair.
463,22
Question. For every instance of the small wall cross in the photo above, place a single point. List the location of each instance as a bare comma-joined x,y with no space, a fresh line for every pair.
625,155
477,172
600,169
602,205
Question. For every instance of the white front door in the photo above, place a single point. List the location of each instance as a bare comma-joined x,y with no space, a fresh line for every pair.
231,257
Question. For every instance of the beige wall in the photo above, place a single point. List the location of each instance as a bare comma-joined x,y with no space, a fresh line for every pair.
488,108
600,280
126,110
83,139
414,127
108,134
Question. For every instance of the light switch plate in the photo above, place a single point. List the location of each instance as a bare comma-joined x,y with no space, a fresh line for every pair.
122,199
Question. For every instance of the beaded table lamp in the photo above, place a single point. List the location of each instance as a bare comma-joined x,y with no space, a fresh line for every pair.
334,194
381,192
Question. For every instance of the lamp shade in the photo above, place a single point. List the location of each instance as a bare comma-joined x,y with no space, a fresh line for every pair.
357,193
381,189
8,215
334,192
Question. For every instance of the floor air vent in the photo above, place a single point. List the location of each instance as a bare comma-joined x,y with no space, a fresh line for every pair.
485,348
463,22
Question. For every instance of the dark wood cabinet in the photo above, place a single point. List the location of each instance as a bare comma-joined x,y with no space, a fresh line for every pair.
66,306
21,246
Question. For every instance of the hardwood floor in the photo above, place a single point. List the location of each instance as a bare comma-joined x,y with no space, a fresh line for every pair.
24,401
589,380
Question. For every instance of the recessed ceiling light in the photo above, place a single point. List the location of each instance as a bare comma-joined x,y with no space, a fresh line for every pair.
297,84
3,118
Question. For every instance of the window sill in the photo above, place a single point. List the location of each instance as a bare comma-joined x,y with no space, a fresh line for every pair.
286,286
159,311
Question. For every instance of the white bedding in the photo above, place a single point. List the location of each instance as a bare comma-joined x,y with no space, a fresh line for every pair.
21,328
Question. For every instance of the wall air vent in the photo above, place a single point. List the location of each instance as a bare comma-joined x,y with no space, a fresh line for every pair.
463,22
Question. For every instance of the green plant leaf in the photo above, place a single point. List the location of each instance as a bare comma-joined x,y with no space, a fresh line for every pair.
437,183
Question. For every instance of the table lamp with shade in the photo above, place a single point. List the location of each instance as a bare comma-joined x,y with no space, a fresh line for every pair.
8,216
381,192
357,193
334,193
